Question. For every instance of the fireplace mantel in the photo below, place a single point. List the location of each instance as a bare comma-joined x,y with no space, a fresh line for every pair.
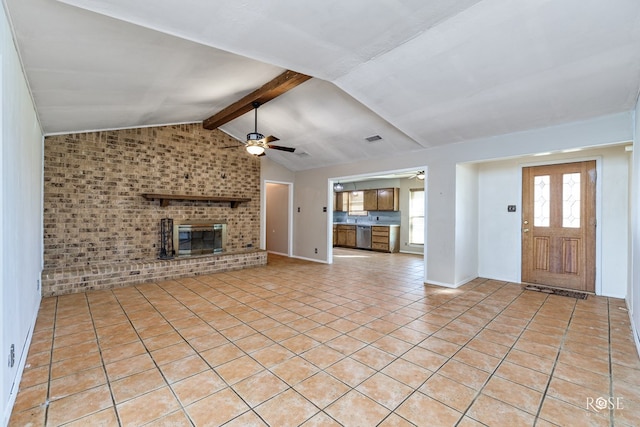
166,198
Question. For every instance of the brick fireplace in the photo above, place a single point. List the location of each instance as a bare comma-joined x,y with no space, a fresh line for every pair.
101,232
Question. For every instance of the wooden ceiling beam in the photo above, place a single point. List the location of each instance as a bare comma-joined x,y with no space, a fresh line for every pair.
268,91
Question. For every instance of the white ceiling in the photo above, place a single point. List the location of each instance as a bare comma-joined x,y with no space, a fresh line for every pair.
419,73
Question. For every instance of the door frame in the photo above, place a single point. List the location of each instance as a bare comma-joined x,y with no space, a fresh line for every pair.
598,237
263,215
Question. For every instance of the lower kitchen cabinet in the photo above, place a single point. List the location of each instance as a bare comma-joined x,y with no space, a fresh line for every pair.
345,235
385,238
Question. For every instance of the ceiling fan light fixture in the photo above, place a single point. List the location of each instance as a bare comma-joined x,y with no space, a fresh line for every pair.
255,147
420,175
338,187
255,143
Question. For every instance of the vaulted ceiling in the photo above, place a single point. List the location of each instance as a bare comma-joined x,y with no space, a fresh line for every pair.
418,73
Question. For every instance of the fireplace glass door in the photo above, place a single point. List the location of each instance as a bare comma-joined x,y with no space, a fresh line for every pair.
198,239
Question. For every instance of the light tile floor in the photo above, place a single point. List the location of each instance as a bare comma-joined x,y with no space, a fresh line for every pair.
361,342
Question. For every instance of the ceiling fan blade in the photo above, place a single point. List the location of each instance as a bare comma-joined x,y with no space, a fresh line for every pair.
271,138
281,148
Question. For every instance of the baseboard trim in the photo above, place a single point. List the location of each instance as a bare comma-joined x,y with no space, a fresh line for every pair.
278,253
13,393
411,252
449,285
309,259
634,330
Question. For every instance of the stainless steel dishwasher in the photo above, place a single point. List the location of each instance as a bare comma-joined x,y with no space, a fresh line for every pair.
363,236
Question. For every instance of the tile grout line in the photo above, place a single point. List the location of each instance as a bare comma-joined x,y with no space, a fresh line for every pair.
461,347
484,384
150,356
555,363
103,365
53,340
343,358
229,386
611,390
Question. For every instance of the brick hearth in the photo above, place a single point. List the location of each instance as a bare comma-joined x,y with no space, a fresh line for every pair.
60,281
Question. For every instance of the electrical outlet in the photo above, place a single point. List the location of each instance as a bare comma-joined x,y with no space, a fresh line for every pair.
511,208
298,208
316,250
37,284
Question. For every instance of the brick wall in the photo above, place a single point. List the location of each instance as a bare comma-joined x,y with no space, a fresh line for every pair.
93,209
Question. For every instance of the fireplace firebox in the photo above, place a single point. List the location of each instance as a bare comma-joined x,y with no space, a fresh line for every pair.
198,238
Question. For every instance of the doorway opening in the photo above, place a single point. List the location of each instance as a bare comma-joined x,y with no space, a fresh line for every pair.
278,219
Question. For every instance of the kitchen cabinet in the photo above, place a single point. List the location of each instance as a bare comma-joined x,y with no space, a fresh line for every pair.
345,236
388,199
385,238
370,200
341,201
382,199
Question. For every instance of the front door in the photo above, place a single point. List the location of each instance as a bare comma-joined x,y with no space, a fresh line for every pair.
559,225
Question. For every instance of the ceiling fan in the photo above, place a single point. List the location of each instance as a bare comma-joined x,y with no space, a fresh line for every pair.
257,143
419,175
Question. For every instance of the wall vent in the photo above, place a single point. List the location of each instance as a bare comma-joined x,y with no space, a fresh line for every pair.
373,138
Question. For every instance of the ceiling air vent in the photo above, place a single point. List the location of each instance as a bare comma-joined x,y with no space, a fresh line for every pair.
373,138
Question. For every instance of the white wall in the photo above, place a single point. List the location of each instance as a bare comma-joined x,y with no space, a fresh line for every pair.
442,266
499,239
633,291
496,231
21,217
466,223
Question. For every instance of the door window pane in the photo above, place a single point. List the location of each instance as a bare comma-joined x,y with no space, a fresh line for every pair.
541,198
571,200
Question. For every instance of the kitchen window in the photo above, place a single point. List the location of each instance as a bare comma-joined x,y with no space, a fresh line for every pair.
416,216
356,203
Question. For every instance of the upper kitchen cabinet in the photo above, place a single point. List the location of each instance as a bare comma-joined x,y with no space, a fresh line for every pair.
370,200
388,199
341,201
381,199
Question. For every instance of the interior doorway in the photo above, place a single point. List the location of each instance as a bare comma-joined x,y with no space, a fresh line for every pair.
559,225
278,218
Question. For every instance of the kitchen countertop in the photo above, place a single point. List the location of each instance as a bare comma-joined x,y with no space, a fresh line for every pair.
368,224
